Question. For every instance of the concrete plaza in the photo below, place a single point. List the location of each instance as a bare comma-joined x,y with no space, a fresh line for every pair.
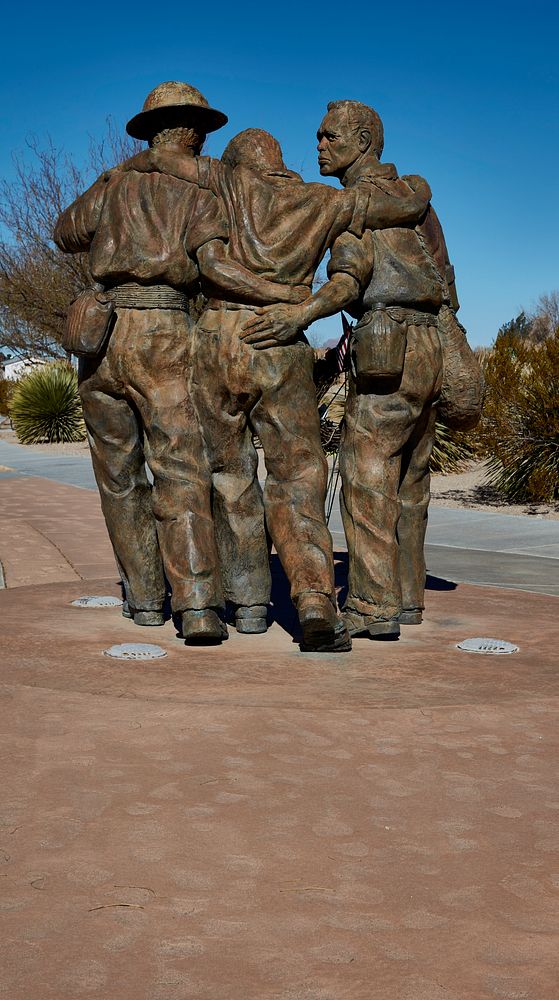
248,822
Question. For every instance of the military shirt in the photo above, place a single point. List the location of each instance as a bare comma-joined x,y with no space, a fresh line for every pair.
143,227
403,266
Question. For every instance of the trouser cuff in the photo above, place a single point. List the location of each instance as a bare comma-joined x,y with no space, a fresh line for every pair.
146,605
381,613
192,604
315,590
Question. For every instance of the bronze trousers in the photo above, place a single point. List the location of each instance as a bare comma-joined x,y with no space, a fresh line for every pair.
137,409
385,450
237,391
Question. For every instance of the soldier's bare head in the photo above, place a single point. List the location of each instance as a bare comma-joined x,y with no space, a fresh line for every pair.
190,140
256,149
348,130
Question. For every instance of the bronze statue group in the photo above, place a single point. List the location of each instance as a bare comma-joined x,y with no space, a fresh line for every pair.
186,393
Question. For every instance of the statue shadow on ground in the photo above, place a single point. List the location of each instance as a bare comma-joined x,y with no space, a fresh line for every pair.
282,610
284,613
439,583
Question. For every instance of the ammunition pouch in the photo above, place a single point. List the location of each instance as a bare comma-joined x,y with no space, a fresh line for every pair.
378,342
88,323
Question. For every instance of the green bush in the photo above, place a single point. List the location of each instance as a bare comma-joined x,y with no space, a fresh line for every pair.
46,407
520,428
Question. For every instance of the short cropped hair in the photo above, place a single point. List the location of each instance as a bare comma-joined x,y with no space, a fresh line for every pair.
254,147
362,116
190,137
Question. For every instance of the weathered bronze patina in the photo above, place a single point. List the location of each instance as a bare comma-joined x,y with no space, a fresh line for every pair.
395,383
187,398
142,232
252,369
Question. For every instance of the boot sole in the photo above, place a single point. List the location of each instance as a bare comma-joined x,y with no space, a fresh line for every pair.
251,626
384,630
318,631
333,641
387,631
204,637
410,618
340,645
198,630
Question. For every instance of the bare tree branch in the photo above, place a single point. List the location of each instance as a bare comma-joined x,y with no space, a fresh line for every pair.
37,281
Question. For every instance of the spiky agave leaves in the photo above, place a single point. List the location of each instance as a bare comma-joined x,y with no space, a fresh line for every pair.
451,450
46,407
527,471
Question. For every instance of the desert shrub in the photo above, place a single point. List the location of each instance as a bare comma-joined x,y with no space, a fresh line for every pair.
519,431
451,450
7,387
46,407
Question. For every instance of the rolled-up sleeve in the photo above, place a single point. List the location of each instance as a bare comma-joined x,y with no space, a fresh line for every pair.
206,223
353,255
76,226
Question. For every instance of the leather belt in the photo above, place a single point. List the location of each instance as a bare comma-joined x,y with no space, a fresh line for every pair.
401,314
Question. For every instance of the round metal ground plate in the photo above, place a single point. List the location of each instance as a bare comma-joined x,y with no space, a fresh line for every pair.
135,651
97,602
487,646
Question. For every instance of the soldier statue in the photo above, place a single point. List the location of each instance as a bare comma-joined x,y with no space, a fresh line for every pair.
133,333
247,380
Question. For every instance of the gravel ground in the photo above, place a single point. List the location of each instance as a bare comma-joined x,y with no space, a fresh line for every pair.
469,489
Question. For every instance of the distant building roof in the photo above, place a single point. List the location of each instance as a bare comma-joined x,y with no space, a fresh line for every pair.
16,367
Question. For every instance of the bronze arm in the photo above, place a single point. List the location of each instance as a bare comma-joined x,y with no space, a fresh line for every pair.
232,280
387,208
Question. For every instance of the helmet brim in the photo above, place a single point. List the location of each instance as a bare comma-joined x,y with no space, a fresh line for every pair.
148,123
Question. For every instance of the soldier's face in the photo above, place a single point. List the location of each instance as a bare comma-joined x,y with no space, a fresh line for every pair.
338,144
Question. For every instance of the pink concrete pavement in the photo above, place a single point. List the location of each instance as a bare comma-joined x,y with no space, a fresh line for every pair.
50,532
251,823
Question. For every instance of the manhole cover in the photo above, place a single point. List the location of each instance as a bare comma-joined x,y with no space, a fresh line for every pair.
135,651
97,602
487,646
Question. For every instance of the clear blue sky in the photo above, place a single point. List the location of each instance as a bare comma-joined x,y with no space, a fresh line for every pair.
468,93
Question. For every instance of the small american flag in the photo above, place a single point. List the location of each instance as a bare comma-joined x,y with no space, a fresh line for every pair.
343,344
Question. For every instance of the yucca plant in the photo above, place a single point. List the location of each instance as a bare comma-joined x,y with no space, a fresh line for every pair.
46,407
522,434
451,450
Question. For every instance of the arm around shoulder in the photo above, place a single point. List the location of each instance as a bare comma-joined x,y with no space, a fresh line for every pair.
397,203
232,280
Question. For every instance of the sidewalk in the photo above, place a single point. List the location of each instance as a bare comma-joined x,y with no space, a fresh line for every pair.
51,532
465,546
247,822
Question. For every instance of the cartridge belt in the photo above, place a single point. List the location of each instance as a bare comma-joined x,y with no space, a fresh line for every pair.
134,296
